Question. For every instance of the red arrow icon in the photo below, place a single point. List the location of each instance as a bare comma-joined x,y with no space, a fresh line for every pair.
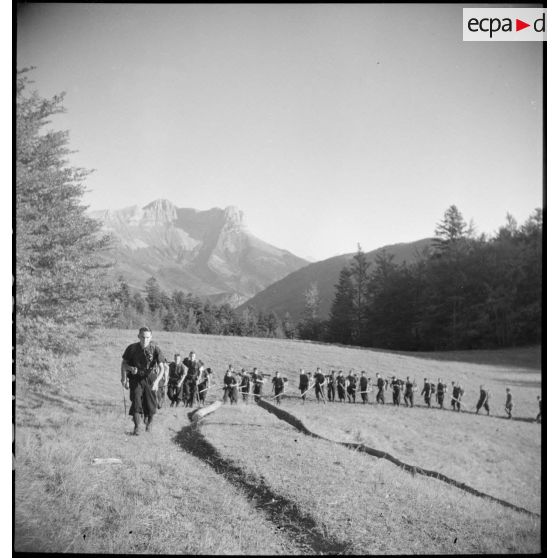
519,25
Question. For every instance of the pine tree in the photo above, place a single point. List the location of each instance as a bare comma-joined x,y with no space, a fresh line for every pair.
311,326
342,322
359,273
288,326
61,284
452,227
153,294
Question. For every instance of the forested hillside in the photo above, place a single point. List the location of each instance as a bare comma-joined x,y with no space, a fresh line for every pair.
468,292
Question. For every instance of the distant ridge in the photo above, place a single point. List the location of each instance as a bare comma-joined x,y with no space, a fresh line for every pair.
209,253
287,294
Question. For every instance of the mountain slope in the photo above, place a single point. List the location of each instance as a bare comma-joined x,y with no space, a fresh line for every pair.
287,294
208,253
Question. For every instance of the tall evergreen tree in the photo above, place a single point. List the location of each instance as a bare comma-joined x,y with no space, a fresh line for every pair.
451,228
311,326
61,286
359,272
288,326
342,322
153,294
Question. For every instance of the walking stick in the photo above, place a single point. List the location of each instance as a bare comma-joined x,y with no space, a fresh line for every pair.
322,392
302,394
460,402
197,394
124,399
205,389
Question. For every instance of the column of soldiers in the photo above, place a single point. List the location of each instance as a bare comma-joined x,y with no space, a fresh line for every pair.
148,375
336,385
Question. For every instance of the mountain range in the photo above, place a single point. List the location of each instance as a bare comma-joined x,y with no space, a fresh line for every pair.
287,294
208,253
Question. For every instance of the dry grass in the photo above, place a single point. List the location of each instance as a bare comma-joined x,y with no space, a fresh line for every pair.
367,503
496,456
164,499
159,501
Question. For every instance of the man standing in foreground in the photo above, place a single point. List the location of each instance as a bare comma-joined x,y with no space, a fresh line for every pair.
142,367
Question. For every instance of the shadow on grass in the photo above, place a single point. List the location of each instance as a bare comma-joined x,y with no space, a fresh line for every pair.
280,511
413,469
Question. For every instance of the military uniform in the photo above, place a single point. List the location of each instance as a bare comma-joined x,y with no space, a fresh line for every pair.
427,392
440,391
230,388
408,396
395,385
319,381
142,396
351,388
341,384
245,386
278,384
509,404
363,385
331,387
380,384
176,374
457,394
258,380
303,384
163,384
190,387
483,401
203,384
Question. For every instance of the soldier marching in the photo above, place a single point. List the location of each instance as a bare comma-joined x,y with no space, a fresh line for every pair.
148,376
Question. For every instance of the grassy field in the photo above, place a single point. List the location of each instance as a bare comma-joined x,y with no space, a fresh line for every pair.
246,482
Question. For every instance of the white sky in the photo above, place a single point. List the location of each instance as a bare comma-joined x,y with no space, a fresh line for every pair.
326,124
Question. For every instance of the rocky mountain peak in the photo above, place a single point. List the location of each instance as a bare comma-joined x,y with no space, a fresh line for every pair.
160,211
234,216
209,253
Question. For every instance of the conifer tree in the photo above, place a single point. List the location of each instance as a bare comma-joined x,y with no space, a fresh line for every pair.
359,273
61,286
342,320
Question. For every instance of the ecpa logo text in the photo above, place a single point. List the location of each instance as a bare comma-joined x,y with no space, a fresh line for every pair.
494,25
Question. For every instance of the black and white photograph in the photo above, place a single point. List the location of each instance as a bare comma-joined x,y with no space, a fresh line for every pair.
279,278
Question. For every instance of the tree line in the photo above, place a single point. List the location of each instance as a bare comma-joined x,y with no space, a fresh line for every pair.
188,313
467,291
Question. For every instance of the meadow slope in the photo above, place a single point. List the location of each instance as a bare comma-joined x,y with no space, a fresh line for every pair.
246,482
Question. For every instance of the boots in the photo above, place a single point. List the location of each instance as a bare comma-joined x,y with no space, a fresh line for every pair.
149,424
137,421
